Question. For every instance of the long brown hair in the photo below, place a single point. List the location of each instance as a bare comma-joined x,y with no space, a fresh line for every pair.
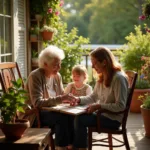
101,54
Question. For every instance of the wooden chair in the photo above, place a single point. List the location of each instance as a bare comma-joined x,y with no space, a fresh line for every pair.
9,71
107,142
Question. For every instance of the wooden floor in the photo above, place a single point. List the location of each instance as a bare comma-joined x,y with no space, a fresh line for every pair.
136,135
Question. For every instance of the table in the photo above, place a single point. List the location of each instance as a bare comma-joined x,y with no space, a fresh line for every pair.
33,139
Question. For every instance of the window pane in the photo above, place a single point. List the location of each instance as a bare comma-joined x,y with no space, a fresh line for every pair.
2,35
1,6
7,35
6,58
7,7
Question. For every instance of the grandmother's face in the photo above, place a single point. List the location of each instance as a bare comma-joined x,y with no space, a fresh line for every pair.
53,67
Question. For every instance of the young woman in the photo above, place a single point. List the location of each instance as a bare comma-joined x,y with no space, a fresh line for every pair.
110,93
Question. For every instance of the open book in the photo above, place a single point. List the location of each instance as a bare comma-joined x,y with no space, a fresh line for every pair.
66,108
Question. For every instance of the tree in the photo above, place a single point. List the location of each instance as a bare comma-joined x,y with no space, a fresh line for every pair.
106,21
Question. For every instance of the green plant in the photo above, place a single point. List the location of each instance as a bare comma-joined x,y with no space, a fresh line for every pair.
145,71
146,9
34,54
12,101
145,100
71,43
138,45
48,28
34,30
49,9
142,84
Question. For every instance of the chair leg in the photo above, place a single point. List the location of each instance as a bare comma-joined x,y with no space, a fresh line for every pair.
110,141
89,139
126,141
52,143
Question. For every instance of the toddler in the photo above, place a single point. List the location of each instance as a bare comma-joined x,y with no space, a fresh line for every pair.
79,87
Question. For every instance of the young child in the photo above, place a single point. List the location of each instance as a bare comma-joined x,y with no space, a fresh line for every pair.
79,87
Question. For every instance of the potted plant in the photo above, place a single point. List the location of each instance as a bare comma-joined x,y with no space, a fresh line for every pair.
34,58
48,32
138,45
145,110
12,102
34,31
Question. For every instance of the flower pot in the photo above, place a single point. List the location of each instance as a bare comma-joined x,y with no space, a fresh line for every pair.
35,61
33,37
135,103
146,117
47,35
14,131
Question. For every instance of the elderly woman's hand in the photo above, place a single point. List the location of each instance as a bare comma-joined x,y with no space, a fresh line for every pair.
93,107
69,98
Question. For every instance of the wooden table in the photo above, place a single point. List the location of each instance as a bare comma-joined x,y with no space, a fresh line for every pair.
33,139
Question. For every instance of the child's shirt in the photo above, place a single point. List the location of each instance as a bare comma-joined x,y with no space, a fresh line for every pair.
83,91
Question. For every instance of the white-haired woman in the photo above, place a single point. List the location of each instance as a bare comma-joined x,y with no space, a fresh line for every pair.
45,88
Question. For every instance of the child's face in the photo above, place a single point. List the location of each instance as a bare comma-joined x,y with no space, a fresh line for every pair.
78,78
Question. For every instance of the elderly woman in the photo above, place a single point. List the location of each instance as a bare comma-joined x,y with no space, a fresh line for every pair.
110,93
45,88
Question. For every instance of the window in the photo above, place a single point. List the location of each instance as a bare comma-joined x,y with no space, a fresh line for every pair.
5,31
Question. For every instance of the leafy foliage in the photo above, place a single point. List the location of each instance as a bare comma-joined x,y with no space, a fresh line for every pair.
138,45
71,44
12,101
145,100
106,21
142,84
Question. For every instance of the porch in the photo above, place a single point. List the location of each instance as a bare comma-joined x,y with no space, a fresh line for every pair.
135,133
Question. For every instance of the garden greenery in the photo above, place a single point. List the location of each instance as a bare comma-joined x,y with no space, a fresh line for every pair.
71,43
12,101
138,45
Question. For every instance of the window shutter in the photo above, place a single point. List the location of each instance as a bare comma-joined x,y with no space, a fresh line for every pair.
21,48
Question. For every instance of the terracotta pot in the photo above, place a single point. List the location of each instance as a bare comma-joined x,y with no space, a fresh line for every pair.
33,38
135,103
47,35
35,61
15,131
146,117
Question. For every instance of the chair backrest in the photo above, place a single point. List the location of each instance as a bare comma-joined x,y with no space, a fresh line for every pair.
132,77
9,72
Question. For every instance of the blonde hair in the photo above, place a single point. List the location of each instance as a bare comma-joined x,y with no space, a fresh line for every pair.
80,70
48,54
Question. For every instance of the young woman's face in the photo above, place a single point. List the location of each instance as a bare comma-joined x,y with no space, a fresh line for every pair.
54,67
98,66
77,78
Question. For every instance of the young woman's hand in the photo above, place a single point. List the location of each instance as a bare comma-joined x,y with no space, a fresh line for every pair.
93,107
69,98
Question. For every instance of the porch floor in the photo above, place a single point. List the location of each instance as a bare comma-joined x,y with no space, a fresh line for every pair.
135,133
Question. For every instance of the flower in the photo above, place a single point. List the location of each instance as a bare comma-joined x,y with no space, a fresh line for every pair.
52,12
145,70
142,17
145,100
146,14
48,28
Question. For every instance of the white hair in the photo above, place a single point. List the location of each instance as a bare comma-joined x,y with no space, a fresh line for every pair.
48,54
